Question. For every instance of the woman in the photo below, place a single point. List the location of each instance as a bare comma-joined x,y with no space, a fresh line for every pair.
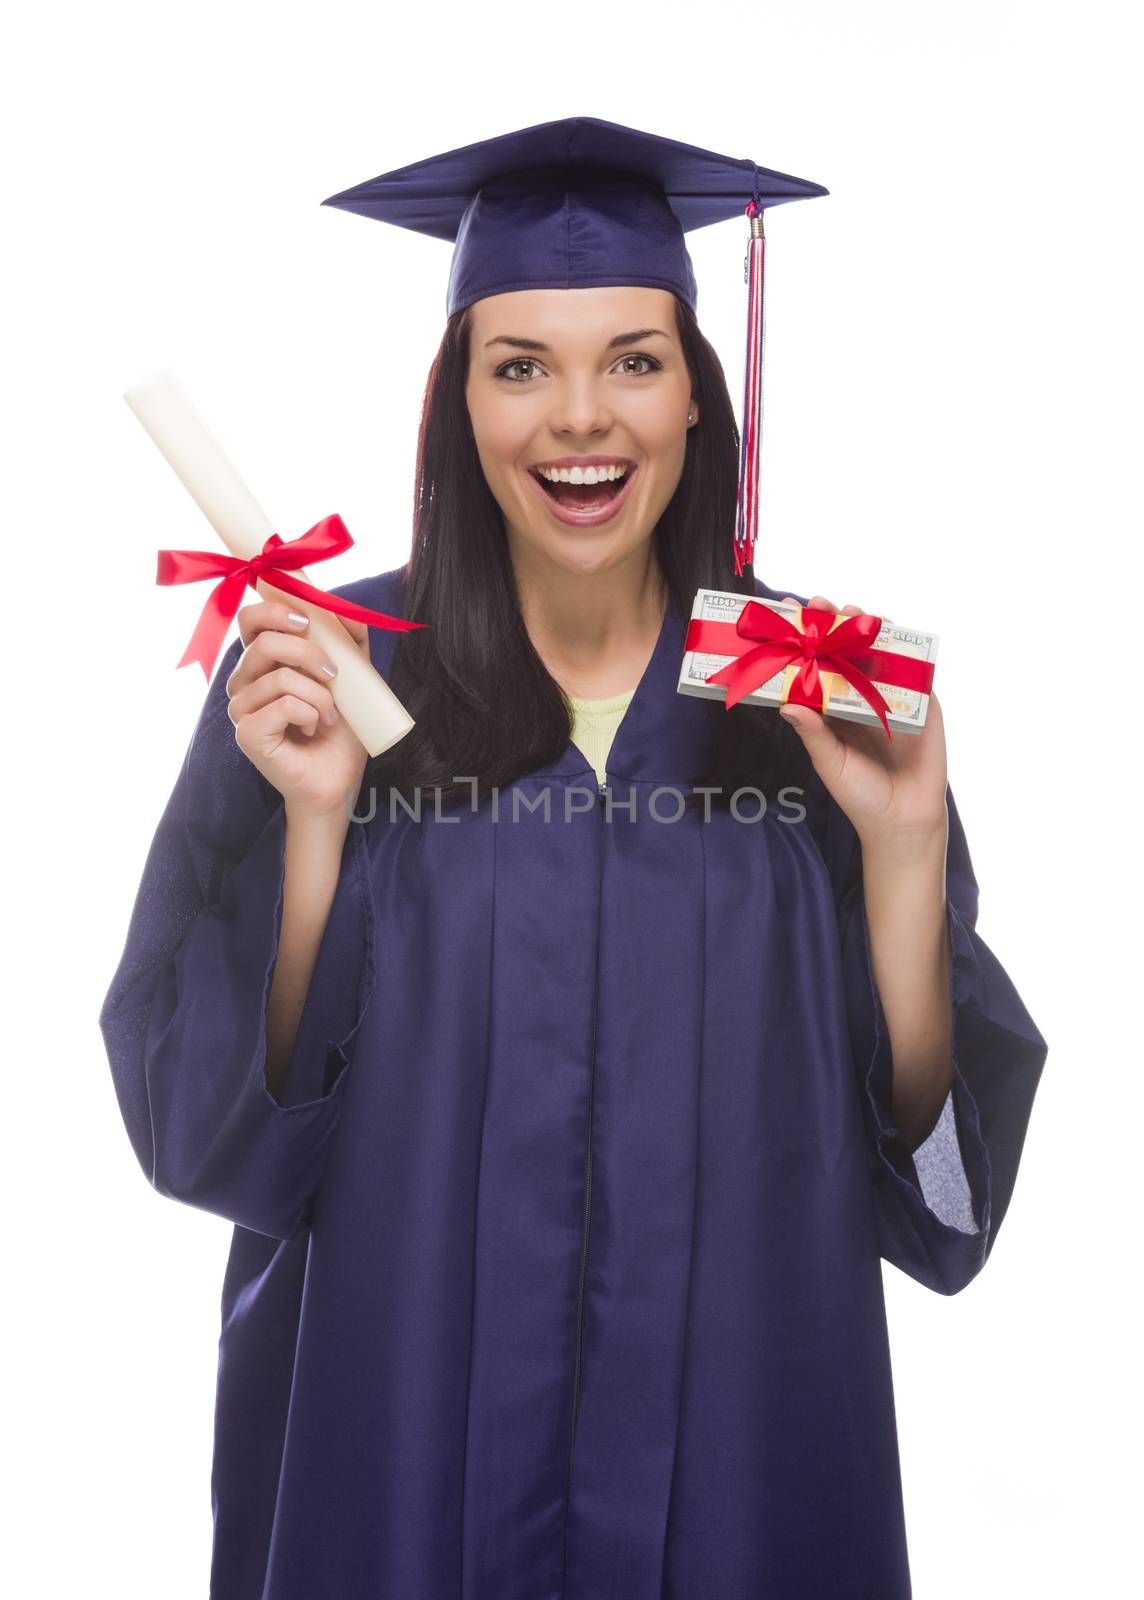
564,1123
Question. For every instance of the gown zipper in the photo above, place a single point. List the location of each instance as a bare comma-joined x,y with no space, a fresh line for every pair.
601,792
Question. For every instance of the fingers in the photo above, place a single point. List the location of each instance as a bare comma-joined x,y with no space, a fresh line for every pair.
288,682
260,614
825,749
269,648
820,603
264,728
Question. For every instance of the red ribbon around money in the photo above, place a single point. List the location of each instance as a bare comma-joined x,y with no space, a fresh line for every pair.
274,562
765,642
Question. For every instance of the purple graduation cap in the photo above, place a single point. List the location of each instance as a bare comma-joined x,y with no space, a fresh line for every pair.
580,203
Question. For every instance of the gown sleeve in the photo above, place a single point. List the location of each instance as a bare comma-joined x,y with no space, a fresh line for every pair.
184,1021
939,1208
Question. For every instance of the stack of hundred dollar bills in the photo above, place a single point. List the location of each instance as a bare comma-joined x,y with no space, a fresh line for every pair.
907,707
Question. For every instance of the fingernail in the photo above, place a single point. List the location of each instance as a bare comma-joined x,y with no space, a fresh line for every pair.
329,669
297,618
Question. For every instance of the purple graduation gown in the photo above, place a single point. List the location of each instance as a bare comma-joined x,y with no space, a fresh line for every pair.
557,1273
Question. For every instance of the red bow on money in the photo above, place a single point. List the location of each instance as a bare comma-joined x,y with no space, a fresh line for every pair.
274,562
821,647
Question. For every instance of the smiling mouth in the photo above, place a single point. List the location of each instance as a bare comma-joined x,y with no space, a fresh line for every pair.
585,497
585,504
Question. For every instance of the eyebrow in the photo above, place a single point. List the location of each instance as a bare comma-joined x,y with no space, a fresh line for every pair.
613,344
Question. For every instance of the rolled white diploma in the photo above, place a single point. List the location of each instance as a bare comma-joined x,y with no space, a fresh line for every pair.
360,693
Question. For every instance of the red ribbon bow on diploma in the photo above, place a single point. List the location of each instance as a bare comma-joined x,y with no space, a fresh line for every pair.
275,560
821,647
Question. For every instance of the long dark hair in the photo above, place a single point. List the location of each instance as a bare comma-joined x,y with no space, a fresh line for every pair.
484,703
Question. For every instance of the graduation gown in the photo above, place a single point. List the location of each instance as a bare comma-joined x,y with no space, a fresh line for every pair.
557,1271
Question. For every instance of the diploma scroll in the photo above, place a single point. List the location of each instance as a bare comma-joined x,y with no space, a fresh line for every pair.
360,693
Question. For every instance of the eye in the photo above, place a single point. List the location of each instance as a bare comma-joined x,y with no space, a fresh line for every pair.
652,365
520,361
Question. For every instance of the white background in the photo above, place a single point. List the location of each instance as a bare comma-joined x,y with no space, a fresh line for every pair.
952,437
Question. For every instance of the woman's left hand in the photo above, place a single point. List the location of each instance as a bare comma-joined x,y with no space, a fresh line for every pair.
892,792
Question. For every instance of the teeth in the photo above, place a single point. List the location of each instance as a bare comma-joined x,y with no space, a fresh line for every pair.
582,474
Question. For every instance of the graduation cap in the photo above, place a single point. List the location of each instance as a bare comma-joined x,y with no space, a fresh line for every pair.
580,203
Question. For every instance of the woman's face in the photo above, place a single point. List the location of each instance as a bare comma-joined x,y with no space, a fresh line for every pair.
581,383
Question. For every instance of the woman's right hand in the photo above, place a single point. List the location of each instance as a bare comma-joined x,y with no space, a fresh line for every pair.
284,714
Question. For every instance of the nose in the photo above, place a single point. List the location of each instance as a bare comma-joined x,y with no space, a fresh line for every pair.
579,409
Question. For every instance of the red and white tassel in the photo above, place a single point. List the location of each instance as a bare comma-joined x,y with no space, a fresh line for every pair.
751,437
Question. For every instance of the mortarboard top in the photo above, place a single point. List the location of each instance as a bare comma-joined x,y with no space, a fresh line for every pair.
581,203
569,204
